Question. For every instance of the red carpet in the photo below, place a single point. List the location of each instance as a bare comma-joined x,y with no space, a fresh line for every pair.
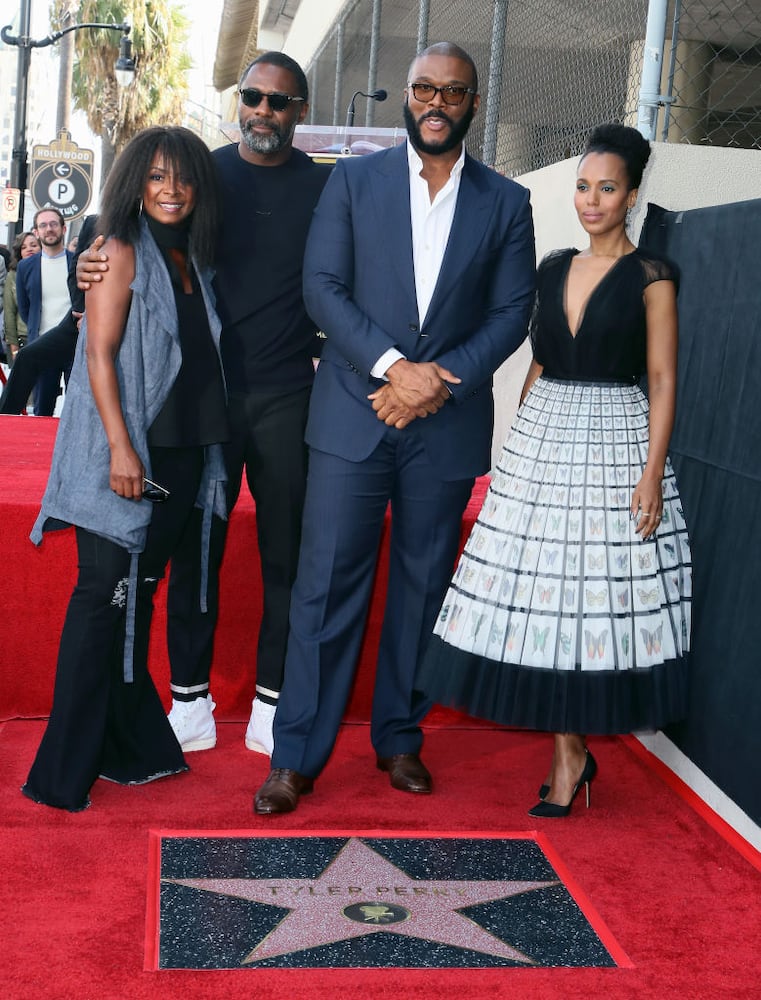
37,584
683,905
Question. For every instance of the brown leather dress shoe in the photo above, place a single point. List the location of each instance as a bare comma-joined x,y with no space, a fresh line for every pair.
407,773
280,792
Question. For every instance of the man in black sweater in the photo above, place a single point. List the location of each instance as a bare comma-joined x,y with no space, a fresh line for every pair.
268,191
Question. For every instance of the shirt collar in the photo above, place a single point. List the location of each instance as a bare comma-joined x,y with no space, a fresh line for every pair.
416,164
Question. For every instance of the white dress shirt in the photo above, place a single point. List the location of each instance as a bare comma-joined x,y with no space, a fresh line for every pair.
431,225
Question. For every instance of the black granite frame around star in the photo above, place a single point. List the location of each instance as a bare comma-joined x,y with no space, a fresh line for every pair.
236,900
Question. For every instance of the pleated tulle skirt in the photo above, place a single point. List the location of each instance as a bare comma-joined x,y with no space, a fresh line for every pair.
559,616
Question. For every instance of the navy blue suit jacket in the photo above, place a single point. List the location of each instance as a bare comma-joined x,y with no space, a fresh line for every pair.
29,293
359,287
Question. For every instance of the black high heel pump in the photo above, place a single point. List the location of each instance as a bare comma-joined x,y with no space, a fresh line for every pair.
551,810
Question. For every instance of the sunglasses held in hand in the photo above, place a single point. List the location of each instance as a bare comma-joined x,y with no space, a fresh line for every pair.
252,98
153,492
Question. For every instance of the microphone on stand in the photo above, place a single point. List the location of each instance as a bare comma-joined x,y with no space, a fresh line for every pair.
377,95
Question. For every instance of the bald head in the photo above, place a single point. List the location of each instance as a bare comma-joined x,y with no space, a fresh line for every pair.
447,49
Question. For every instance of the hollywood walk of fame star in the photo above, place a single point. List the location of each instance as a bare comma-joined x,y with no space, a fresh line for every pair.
361,893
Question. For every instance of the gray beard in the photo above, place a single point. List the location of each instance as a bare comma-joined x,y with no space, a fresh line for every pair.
271,143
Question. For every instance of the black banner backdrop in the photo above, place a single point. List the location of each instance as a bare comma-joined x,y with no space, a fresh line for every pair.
716,451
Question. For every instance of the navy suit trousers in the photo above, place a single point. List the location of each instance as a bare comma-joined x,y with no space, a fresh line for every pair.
343,520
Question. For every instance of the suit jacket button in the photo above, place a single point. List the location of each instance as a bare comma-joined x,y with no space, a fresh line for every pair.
414,327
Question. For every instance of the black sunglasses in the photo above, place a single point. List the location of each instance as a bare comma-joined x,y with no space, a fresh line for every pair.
252,98
451,95
153,492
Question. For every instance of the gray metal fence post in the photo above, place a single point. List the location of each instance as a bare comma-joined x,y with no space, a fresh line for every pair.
652,65
337,111
423,17
494,95
372,71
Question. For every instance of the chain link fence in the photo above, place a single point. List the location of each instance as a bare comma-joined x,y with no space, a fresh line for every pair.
550,70
713,73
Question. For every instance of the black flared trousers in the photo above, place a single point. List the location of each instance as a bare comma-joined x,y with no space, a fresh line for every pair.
99,724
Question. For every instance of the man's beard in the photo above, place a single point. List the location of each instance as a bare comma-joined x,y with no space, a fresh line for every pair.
457,130
271,142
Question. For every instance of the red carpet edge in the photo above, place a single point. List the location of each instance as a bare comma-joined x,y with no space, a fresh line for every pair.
691,797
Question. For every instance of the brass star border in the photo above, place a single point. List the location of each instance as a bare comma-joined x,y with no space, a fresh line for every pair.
238,900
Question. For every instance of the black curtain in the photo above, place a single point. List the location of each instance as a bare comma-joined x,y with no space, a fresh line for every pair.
716,451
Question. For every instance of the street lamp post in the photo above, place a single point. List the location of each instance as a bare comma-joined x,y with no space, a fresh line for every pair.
124,69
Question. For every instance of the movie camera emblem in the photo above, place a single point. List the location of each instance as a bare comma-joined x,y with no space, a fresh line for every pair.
379,914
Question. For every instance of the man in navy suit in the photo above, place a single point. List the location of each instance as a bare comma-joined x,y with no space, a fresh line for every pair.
43,296
419,268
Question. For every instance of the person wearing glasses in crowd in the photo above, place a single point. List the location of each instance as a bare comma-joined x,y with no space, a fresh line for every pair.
419,268
137,451
268,192
54,351
43,296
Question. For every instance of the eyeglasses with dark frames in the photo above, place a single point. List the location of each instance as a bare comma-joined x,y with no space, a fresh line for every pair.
451,94
252,98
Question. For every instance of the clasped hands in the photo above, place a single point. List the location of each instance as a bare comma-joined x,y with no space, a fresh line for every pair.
414,389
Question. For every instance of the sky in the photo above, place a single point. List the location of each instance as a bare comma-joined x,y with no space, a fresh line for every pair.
204,16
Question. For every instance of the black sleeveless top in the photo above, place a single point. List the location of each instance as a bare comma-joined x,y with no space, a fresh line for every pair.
611,342
195,411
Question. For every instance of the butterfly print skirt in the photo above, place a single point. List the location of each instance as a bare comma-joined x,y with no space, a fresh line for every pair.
559,617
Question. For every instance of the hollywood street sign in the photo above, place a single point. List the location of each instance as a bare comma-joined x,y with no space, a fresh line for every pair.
61,175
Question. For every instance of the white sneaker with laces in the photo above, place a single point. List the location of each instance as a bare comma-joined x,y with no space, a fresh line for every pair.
193,723
259,731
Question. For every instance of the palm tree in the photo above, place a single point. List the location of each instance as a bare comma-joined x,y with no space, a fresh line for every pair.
159,36
63,14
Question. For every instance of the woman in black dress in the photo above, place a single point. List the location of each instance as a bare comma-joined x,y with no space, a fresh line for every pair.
570,608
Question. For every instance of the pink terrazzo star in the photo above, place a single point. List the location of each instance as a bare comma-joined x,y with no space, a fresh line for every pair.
361,893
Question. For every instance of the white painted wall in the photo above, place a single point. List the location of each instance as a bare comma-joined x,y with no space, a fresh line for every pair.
311,24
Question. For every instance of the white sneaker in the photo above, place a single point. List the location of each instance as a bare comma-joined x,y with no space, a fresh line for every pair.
193,723
259,731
